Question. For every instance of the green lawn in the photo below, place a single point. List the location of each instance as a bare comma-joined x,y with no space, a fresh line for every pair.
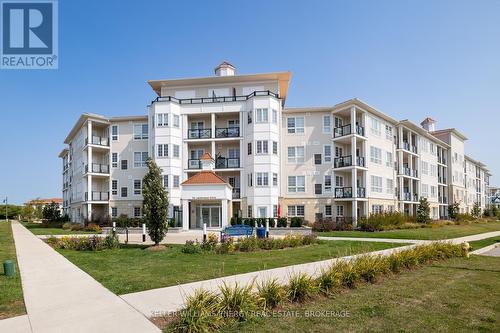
134,269
444,232
484,242
458,295
11,293
38,229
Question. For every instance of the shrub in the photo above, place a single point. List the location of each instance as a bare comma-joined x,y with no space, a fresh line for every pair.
347,273
93,227
282,222
423,211
238,302
272,293
383,221
464,218
328,224
476,210
368,267
201,313
76,227
247,244
225,247
453,210
272,222
300,287
328,281
94,243
296,222
191,247
249,221
210,243
66,226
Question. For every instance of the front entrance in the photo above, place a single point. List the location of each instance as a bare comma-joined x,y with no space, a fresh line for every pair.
209,214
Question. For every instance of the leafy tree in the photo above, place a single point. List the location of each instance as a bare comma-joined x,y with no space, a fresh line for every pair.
453,210
423,211
51,212
155,203
28,213
476,210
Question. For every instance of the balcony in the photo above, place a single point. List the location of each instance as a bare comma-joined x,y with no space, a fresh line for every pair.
346,161
346,130
410,172
236,193
215,99
343,192
229,132
97,196
97,168
227,163
441,159
406,146
443,200
200,133
441,180
98,141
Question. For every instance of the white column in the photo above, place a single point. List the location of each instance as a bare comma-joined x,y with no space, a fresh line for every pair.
213,149
185,215
212,123
224,215
354,213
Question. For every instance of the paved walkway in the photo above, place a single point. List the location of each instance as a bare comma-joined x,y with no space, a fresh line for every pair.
19,324
382,240
495,252
60,297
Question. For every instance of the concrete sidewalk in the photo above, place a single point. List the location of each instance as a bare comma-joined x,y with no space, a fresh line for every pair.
381,240
60,297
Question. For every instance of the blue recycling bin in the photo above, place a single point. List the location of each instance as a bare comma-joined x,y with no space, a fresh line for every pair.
261,232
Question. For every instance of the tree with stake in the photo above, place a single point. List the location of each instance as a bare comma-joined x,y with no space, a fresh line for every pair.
155,203
423,211
476,210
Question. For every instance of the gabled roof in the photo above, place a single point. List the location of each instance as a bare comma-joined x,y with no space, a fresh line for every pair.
206,156
450,130
204,178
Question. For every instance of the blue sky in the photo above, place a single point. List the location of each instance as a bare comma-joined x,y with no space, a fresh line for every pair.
410,59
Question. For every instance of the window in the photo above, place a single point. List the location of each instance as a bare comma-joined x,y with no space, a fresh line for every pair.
275,148
275,179
338,122
390,186
114,132
339,181
375,127
376,184
328,183
114,160
262,147
295,125
328,210
340,210
165,181
432,147
318,188
275,116
375,155
338,152
176,151
388,132
296,183
140,159
424,145
114,212
262,211
425,190
377,209
390,208
433,170
124,164
249,118
137,212
124,192
327,124
162,119
141,132
262,179
388,161
425,168
249,148
327,153
137,187
296,154
176,181
233,153
433,191
249,211
261,116
176,120
275,210
250,180
317,158
233,123
114,187
296,210
162,150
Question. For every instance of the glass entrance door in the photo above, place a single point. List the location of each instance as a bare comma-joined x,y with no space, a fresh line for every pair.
208,214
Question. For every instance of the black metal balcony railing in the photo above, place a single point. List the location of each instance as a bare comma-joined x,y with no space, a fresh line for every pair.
361,192
194,164
200,133
406,197
345,161
346,130
410,172
97,168
227,163
236,193
343,192
229,132
221,99
98,141
97,196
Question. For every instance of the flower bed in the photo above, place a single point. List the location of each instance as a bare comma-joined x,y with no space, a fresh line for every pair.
93,243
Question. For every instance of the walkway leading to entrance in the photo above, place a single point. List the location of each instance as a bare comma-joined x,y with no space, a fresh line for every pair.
60,297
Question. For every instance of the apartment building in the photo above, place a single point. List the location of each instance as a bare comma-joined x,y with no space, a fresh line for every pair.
227,146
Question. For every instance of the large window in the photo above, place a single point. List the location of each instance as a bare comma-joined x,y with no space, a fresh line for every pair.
327,153
162,119
388,132
297,210
261,116
176,151
162,150
376,184
176,181
124,192
262,147
296,183
262,179
140,159
425,168
176,120
114,160
296,154
390,186
377,209
275,116
327,124
375,127
137,187
388,161
375,155
328,183
114,187
295,125
114,132
262,211
141,132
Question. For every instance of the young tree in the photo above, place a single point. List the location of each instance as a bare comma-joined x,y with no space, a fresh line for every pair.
423,211
28,212
453,210
476,210
155,203
51,212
